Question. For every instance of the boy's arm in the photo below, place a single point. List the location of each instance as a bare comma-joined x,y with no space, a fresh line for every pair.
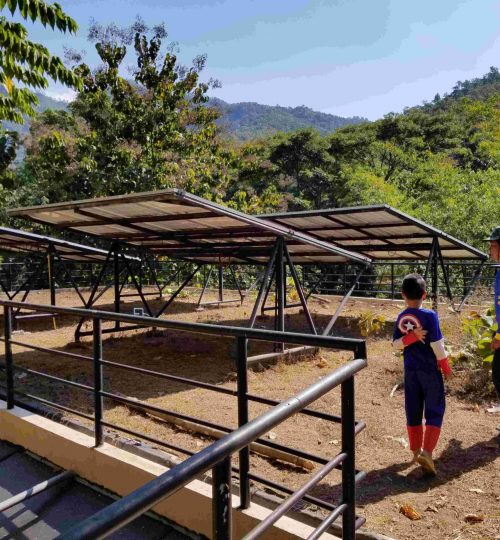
408,339
437,344
400,340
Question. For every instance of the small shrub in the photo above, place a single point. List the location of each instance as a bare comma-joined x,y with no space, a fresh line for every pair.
480,330
370,324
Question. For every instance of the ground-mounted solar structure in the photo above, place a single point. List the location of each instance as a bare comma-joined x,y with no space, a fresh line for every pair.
385,234
185,227
44,254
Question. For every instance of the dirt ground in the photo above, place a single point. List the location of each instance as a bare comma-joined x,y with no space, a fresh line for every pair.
467,455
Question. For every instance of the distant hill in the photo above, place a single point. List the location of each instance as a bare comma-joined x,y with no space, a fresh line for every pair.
243,121
46,102
480,88
249,120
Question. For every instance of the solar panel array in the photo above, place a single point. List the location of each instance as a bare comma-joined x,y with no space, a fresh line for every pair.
180,225
18,241
379,232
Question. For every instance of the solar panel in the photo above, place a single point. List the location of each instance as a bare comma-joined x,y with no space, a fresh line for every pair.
379,232
180,225
18,241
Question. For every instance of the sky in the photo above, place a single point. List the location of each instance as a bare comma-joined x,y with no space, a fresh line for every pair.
345,57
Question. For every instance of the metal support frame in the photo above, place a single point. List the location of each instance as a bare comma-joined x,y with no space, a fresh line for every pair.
117,256
470,289
299,289
445,275
174,295
275,272
220,284
340,307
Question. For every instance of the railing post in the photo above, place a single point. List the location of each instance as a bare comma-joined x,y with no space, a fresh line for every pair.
9,367
348,466
221,500
392,281
98,381
244,454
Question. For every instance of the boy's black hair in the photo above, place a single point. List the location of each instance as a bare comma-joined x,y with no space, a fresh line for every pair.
413,286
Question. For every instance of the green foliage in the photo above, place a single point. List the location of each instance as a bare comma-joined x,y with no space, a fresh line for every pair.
370,323
481,329
119,136
27,63
440,164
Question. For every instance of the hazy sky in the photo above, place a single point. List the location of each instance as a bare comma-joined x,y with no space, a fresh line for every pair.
345,57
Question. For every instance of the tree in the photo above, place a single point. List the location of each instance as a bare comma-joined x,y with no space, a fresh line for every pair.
148,132
27,63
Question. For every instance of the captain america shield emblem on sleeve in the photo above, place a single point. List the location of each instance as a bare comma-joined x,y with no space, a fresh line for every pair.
408,322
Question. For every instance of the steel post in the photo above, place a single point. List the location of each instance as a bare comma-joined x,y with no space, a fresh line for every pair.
221,500
52,277
435,284
244,454
9,363
221,282
272,278
98,381
116,281
236,282
445,271
348,466
280,292
392,281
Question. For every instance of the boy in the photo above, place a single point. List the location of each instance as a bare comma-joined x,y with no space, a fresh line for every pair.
418,335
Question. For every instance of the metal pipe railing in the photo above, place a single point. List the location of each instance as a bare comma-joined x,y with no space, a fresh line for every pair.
348,344
132,506
299,404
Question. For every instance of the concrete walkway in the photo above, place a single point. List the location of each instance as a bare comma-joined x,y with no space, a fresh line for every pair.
46,515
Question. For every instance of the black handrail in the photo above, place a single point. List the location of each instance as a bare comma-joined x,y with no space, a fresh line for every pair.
348,344
222,471
130,507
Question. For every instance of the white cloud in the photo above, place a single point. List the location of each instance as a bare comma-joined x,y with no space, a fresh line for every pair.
61,95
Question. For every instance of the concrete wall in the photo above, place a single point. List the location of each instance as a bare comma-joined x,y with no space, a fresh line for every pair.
121,472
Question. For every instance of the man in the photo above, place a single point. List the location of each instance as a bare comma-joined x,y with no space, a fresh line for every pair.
494,240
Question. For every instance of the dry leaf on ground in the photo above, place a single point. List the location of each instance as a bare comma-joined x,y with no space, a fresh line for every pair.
410,512
474,518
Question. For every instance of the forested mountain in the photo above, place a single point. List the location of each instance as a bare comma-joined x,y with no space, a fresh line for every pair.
244,121
479,88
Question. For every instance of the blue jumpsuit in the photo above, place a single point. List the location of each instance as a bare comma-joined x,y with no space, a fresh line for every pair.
423,381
